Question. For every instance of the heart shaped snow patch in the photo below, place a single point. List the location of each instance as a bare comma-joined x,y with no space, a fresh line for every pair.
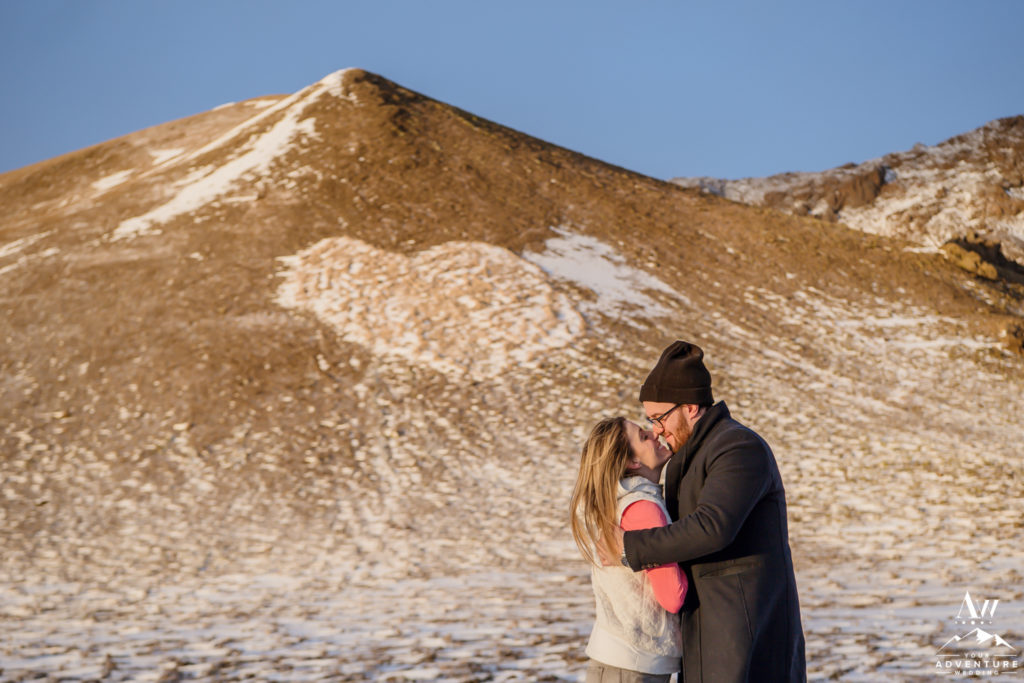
463,308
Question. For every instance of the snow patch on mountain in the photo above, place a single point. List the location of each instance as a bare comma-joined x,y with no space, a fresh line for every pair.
17,249
254,161
868,328
462,308
271,107
261,104
161,156
592,264
113,180
335,84
945,201
17,246
221,180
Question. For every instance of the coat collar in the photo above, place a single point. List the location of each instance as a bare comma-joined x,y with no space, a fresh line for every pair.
681,459
708,420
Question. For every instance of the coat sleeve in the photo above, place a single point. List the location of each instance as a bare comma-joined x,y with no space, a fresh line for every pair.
737,478
668,581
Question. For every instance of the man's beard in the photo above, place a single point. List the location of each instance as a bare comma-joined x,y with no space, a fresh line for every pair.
682,435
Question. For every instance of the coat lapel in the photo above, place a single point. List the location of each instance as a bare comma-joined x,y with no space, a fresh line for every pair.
672,477
680,462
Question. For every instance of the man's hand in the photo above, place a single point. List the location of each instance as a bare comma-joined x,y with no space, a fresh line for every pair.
616,542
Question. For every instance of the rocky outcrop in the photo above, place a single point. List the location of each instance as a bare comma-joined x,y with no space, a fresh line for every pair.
971,183
828,196
985,257
969,260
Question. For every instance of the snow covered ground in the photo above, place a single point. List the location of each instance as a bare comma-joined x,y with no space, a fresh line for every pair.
440,549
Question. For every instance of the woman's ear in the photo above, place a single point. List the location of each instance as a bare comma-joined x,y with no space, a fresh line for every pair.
633,465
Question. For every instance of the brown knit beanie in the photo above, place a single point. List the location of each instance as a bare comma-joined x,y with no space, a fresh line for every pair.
679,377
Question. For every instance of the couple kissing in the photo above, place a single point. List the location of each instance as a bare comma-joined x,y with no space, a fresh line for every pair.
688,543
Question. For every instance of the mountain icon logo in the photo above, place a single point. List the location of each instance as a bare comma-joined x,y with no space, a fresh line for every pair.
976,639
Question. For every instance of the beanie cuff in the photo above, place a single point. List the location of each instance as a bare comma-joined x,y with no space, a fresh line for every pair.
690,395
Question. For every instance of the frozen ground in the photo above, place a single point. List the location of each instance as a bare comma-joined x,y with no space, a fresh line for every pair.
472,625
901,499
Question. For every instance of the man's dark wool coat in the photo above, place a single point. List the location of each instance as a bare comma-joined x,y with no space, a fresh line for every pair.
741,618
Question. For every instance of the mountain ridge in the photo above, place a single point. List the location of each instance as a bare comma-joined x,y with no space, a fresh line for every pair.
965,195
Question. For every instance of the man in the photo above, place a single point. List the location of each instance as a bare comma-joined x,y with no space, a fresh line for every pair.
741,618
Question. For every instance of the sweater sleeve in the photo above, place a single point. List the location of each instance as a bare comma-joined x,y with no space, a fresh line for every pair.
668,580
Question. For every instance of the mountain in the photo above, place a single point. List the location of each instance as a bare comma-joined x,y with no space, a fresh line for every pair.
965,195
295,388
975,639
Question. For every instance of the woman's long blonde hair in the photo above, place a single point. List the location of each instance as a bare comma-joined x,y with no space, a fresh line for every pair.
593,508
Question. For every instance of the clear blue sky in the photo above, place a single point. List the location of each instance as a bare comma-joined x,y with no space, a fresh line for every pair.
726,88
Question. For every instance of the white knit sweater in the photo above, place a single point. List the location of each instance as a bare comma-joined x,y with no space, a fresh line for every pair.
632,630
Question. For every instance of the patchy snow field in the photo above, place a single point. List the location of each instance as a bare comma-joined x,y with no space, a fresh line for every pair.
437,309
440,549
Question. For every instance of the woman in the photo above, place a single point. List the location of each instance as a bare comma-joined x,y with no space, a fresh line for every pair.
636,637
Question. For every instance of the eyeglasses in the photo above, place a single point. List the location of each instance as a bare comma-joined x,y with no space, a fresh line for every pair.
658,420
